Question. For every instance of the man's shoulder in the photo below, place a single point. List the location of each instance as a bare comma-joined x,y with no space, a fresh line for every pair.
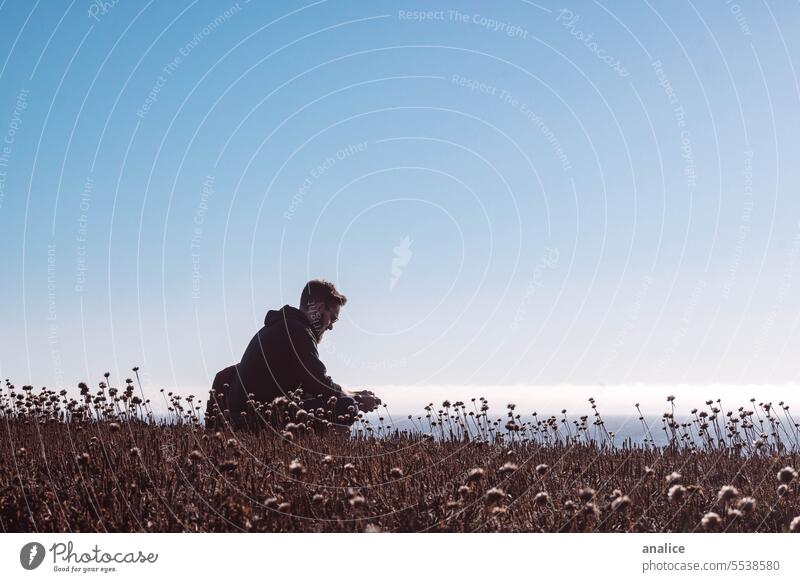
287,326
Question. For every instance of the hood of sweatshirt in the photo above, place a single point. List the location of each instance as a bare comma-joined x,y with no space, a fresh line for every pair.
287,312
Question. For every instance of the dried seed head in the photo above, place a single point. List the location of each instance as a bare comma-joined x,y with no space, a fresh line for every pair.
586,494
542,469
474,475
782,489
463,491
786,475
285,507
495,495
83,459
318,498
674,476
135,452
327,460
794,527
507,469
195,455
396,473
649,473
271,503
228,465
735,513
357,501
541,498
621,503
591,510
296,468
349,467
727,493
747,505
676,493
711,521
113,427
231,443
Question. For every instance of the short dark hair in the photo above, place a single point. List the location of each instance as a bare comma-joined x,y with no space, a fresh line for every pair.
321,290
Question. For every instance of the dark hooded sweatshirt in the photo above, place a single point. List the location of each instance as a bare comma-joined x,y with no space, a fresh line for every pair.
280,358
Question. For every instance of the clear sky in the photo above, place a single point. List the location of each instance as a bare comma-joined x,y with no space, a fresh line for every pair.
509,193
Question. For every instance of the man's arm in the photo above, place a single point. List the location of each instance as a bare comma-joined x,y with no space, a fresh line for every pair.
310,369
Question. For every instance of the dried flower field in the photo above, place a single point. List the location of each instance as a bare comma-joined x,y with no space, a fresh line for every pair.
101,462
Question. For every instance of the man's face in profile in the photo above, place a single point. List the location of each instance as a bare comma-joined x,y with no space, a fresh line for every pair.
323,318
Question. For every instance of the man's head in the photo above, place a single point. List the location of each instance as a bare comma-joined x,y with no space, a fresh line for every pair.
321,302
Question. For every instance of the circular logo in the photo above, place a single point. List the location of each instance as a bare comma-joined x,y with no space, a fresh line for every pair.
31,555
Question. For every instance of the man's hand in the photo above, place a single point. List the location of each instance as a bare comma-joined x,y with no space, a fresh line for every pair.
367,401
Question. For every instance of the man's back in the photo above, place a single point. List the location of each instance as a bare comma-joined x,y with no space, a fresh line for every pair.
280,358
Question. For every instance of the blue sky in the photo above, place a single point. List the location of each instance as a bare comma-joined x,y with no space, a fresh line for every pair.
509,193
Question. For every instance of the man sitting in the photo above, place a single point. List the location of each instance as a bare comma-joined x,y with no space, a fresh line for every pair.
282,357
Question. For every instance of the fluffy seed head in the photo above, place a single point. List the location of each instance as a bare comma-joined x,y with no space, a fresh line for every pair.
673,477
542,469
711,521
676,493
507,469
746,505
621,503
787,475
495,495
296,468
727,493
228,465
474,475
